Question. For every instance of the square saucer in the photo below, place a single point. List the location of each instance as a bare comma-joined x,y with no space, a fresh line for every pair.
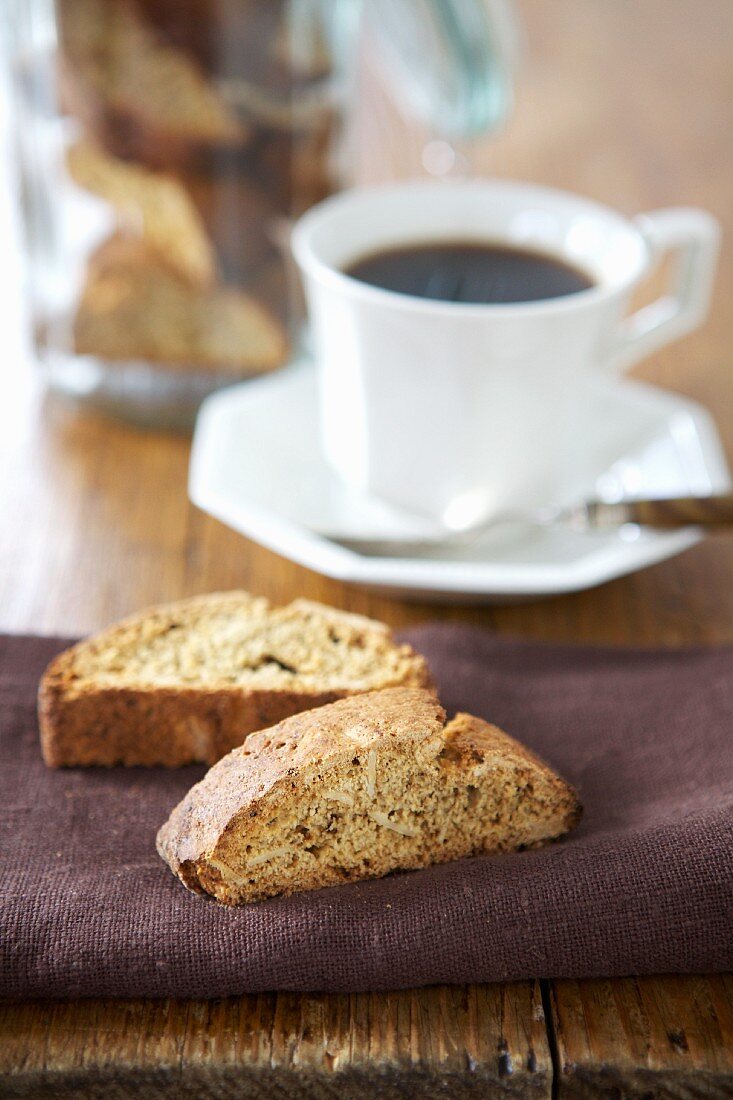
257,466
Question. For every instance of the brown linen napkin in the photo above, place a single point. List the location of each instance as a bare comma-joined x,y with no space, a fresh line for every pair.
645,885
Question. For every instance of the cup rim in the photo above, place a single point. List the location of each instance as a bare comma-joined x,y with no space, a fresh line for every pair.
313,265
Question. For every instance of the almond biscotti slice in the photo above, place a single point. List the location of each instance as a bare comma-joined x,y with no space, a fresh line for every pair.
151,205
134,308
357,789
140,96
190,680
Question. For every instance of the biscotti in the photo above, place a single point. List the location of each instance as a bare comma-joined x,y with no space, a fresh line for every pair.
151,205
368,785
139,96
189,681
135,308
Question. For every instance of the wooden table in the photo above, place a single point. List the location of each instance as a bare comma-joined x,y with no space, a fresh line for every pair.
628,102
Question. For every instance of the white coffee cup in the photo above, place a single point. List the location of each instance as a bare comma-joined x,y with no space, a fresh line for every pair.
458,410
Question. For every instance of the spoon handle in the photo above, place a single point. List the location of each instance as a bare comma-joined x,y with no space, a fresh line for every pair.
672,512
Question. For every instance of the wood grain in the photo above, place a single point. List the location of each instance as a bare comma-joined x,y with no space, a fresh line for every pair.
457,1042
645,1037
626,102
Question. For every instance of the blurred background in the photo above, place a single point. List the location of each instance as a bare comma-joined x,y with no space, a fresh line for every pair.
163,150
153,157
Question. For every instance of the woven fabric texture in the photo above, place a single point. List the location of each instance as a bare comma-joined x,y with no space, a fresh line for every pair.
645,884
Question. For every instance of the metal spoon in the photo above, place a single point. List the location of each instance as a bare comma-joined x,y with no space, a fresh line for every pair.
664,513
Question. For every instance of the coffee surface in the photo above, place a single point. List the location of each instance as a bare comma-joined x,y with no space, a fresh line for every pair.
469,271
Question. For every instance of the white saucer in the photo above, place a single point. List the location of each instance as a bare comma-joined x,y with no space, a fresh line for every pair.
257,466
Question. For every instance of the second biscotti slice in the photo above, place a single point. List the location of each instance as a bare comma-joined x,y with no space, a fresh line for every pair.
133,307
358,789
151,205
190,680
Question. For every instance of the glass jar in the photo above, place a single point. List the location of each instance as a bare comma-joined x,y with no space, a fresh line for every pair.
165,146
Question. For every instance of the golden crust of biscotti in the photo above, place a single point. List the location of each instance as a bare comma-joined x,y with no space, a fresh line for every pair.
189,681
163,727
416,790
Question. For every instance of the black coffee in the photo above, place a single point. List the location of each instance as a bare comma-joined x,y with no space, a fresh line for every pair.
466,271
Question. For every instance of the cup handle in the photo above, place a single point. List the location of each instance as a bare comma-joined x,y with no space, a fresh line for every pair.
693,236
